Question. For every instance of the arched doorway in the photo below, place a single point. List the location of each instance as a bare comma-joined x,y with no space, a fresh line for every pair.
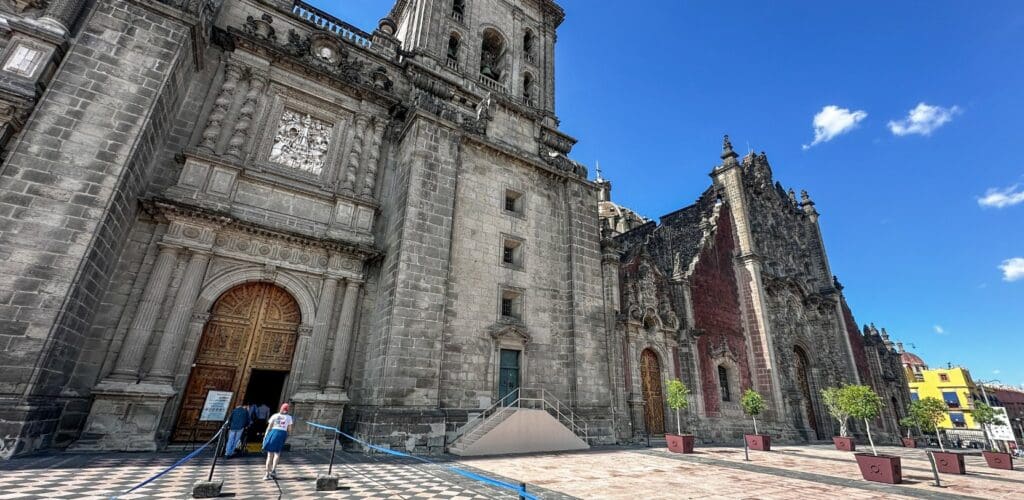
246,347
654,403
803,384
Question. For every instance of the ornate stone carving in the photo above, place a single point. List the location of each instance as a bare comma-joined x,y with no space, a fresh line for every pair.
349,181
260,28
370,178
301,142
220,107
257,81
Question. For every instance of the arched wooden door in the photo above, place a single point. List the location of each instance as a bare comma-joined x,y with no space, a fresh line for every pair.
654,402
252,326
803,383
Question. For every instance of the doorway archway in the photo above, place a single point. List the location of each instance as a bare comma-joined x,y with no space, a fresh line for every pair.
250,337
654,402
804,385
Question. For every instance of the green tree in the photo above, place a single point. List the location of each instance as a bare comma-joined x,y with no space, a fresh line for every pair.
830,397
910,423
859,401
929,412
985,416
753,405
677,399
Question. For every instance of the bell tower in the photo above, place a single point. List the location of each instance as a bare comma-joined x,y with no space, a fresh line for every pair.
497,46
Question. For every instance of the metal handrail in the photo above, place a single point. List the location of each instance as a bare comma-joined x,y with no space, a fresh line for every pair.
547,402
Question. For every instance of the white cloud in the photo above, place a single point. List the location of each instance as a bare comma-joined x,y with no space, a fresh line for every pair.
939,330
923,120
1013,269
996,371
1002,198
832,121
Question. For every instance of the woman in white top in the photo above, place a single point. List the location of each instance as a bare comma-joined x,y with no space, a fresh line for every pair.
273,442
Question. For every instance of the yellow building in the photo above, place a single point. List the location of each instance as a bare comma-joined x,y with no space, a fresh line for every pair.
952,385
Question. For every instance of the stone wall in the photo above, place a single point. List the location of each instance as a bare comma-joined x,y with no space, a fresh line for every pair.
71,182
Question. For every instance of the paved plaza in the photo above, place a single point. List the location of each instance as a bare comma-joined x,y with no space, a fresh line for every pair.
619,472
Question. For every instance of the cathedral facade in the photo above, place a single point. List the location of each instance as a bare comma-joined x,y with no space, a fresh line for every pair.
383,228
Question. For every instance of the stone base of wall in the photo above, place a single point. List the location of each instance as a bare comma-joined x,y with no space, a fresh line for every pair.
412,430
125,416
26,426
325,408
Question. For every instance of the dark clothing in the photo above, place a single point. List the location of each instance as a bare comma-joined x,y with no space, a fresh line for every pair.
239,419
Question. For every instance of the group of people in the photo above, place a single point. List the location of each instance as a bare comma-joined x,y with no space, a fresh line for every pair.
274,434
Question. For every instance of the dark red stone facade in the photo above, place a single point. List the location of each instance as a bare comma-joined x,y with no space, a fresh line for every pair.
860,357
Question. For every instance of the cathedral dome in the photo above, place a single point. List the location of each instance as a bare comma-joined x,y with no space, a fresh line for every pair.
911,359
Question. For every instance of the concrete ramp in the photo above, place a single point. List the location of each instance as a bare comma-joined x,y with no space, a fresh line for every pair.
523,431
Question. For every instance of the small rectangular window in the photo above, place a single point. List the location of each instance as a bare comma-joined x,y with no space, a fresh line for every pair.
943,377
512,252
513,202
951,399
511,305
723,383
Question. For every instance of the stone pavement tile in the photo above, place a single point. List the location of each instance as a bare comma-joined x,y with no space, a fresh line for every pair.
101,476
619,473
980,481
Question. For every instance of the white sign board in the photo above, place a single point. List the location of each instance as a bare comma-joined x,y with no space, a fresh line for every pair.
215,408
1003,431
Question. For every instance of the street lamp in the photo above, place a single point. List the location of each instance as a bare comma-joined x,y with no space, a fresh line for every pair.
981,383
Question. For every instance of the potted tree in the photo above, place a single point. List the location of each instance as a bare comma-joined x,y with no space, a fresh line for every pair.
753,405
859,401
830,397
985,416
677,400
910,423
929,412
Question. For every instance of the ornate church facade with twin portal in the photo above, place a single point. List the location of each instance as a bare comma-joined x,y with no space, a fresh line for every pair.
382,228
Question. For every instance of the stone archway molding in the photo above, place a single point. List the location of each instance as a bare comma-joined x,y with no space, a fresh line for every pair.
223,282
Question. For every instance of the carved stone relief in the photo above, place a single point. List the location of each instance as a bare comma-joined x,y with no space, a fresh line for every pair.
301,142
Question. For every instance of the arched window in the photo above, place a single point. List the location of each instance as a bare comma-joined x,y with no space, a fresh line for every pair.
528,89
458,9
454,42
723,383
492,55
528,45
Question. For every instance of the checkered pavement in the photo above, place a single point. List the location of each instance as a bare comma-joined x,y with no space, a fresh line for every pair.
67,476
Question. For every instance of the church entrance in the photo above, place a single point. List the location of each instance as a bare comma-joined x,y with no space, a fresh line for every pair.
246,348
654,403
508,376
805,390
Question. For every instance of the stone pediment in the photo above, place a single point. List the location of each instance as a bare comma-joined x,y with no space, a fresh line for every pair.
514,333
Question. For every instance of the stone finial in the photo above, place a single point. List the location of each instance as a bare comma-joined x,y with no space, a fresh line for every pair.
728,155
597,169
806,203
899,348
836,283
792,197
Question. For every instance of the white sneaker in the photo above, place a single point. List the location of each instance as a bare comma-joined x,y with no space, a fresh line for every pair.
266,477
273,474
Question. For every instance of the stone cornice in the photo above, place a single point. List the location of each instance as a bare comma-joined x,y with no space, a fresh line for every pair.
161,206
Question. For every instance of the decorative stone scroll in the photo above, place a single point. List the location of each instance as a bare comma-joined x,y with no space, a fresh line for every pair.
301,142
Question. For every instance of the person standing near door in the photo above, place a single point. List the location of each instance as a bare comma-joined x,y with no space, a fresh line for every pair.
262,412
237,422
273,443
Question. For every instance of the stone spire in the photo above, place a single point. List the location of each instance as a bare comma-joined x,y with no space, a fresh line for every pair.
808,205
728,155
597,168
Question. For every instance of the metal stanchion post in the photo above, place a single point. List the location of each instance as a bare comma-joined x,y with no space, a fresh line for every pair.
334,448
746,453
935,470
216,451
522,490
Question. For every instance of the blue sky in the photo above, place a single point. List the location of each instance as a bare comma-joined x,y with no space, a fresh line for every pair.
649,87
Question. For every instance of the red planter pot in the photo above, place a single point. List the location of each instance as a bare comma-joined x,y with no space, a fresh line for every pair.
844,443
881,469
759,442
909,443
949,463
997,460
679,443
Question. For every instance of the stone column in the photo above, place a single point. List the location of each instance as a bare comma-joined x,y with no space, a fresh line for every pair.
178,322
221,106
245,115
343,338
62,13
370,177
355,154
129,360
318,344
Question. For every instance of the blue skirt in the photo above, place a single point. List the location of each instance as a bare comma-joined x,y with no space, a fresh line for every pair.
274,440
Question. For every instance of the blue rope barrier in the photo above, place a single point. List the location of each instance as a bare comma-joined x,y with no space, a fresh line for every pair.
186,458
521,490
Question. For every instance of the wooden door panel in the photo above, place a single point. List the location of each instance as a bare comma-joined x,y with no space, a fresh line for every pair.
654,402
254,325
202,380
